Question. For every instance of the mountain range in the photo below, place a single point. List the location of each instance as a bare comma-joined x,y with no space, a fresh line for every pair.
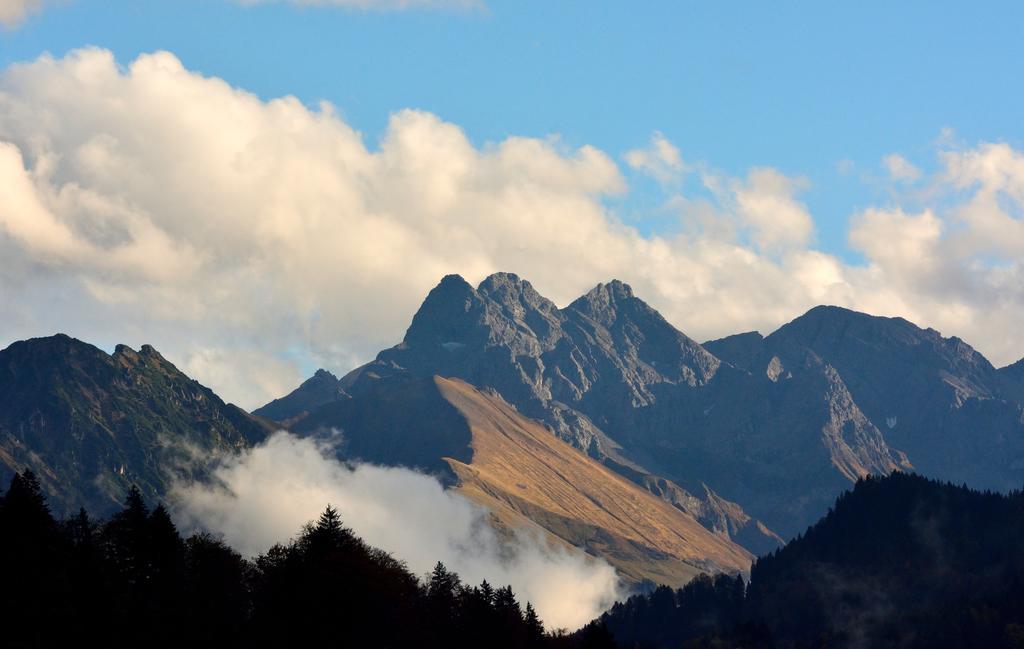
598,425
745,428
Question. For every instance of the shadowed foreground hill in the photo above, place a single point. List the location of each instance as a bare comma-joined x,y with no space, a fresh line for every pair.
900,561
526,477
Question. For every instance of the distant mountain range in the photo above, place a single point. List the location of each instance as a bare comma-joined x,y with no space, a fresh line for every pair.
757,428
687,456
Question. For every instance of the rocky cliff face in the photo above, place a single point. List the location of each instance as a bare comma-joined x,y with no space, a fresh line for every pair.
937,399
597,373
91,424
774,426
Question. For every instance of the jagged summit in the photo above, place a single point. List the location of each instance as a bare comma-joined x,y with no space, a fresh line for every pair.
495,281
323,375
778,424
516,296
609,292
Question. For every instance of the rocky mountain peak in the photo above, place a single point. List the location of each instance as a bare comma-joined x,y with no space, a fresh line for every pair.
851,338
450,313
515,294
826,326
603,302
323,375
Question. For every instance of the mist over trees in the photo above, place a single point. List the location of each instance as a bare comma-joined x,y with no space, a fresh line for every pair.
899,561
133,580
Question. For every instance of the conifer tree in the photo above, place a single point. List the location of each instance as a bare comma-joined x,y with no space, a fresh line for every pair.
534,627
25,505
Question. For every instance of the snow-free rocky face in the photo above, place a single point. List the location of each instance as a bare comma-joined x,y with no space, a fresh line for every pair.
774,426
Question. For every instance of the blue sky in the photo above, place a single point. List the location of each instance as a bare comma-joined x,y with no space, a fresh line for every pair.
800,86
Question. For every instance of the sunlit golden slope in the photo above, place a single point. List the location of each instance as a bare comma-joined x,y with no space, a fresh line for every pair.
520,471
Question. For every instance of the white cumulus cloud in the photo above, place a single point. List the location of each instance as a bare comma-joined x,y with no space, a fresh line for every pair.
266,495
244,237
13,12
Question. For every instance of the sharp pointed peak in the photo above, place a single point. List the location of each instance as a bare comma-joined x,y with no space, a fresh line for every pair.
444,313
321,376
451,290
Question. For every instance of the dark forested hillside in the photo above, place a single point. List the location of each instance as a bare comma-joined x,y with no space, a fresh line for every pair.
90,424
133,581
900,561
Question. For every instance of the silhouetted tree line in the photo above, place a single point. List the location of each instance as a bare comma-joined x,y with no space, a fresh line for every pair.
899,561
133,581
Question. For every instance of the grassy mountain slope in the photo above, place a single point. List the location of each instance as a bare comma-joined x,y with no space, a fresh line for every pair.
526,476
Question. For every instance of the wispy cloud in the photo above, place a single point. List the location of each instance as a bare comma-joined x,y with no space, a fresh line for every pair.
660,159
900,169
265,495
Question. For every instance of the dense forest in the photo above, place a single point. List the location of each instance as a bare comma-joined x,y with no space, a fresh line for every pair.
899,561
134,581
